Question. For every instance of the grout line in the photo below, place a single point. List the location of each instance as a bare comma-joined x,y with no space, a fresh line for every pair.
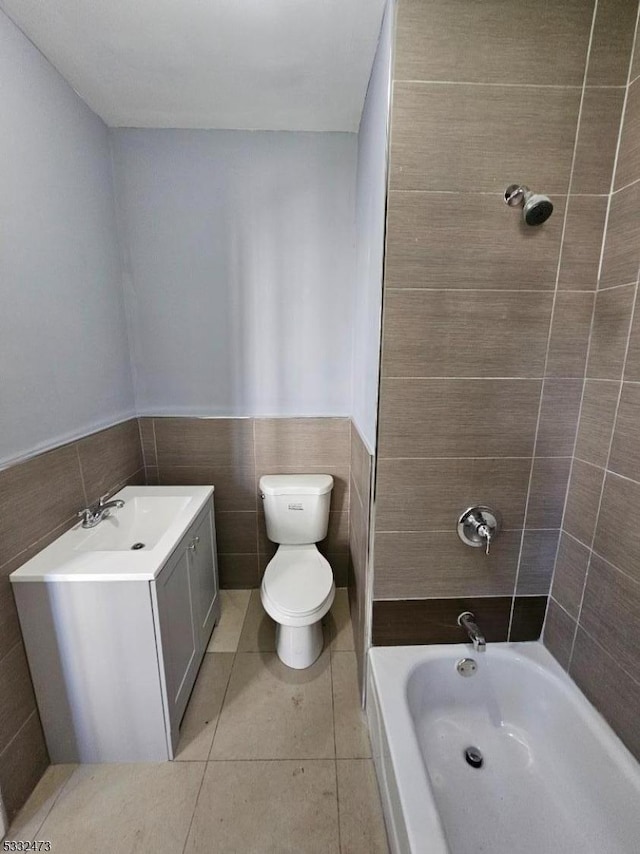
613,566
456,597
572,86
255,492
464,291
84,488
614,287
55,799
595,640
335,749
626,352
631,183
301,760
586,365
224,697
589,463
605,472
617,154
195,807
551,320
494,193
29,716
519,529
475,379
155,448
605,380
142,453
454,459
574,538
233,664
64,524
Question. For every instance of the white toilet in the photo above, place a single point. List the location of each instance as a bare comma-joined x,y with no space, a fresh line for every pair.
297,588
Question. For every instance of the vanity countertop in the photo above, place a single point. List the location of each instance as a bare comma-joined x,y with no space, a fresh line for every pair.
131,544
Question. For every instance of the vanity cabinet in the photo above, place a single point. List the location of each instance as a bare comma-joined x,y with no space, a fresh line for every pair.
114,660
185,596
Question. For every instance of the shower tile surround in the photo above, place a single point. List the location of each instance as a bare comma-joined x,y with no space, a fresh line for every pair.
486,322
592,624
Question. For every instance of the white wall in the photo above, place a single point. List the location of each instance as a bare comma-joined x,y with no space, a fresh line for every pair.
64,361
239,249
370,232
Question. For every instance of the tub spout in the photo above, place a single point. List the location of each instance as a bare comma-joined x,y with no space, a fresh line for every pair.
468,623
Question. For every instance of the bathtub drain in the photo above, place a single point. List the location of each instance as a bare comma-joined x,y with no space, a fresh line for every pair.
137,546
466,667
474,757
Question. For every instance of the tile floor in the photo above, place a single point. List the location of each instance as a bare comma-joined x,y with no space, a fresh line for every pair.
270,760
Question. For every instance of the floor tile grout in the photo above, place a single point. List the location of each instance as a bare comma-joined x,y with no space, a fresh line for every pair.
195,806
55,801
205,763
335,748
330,640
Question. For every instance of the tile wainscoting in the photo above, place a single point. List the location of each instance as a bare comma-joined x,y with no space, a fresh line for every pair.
39,500
360,568
232,454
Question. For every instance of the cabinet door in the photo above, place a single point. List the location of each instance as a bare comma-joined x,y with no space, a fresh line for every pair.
204,582
179,645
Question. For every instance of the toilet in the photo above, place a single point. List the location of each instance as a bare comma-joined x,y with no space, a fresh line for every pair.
297,588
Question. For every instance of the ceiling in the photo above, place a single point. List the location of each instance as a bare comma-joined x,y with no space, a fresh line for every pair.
246,64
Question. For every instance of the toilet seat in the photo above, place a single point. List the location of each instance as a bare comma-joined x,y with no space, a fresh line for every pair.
298,587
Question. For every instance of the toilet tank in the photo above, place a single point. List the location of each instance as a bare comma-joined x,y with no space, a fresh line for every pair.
296,507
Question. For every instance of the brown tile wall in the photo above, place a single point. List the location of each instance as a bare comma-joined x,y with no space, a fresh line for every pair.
486,321
359,538
593,620
39,500
232,454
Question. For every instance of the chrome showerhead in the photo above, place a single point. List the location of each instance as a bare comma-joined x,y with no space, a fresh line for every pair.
536,208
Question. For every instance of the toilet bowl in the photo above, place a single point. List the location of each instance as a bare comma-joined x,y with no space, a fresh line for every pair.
298,587
297,591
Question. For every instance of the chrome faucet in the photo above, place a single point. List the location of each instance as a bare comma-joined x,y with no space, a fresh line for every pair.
92,516
468,622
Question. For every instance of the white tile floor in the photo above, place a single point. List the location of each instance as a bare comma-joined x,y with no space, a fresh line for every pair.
270,760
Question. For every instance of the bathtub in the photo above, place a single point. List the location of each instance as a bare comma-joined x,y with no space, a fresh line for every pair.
555,778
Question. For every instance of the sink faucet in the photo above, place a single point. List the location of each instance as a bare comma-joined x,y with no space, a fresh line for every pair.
92,516
468,622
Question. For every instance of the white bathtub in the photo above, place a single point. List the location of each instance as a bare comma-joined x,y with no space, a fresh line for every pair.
555,778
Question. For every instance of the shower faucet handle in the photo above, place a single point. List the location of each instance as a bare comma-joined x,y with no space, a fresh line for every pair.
478,526
487,533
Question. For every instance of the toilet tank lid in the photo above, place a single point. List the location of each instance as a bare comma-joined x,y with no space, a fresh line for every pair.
296,484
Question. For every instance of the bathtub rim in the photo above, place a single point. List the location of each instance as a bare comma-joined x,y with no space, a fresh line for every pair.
390,669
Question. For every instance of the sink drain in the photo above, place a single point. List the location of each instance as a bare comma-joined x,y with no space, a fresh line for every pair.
137,546
474,757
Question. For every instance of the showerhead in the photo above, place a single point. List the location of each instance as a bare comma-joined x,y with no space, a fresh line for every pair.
536,208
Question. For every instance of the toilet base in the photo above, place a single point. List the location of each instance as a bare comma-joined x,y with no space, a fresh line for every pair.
299,646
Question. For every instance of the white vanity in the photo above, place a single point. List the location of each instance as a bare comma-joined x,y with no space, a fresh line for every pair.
116,620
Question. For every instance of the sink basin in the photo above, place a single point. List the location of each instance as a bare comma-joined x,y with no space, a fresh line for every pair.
137,525
153,520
